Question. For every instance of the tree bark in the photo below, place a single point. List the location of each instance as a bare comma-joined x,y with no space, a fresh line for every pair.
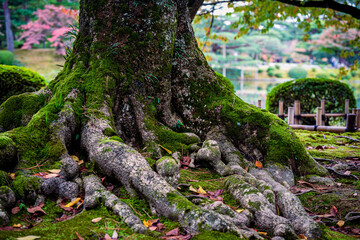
8,31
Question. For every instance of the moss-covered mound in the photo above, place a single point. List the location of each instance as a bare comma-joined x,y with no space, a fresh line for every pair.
310,92
16,80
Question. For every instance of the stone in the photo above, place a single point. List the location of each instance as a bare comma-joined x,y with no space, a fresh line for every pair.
321,180
210,152
193,135
68,190
341,167
169,168
51,186
70,168
7,197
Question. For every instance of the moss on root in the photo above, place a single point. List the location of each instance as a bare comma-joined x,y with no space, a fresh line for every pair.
16,80
23,184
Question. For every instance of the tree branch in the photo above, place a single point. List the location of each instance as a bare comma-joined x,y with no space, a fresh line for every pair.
194,6
329,4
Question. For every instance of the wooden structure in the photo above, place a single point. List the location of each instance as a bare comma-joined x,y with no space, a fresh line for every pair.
294,116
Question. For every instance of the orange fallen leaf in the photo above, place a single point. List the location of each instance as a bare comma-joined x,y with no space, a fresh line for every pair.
301,236
17,225
263,233
340,223
12,175
258,164
72,203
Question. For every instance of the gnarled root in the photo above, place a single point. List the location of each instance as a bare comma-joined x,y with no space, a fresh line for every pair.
96,193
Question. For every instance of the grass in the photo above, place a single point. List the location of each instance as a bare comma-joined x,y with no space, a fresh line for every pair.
42,61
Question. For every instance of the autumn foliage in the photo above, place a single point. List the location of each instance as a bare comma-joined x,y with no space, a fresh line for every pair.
52,24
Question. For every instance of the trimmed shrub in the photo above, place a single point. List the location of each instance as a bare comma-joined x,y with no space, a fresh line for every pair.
297,73
322,75
353,73
310,92
278,75
16,80
6,57
271,73
260,70
277,67
270,69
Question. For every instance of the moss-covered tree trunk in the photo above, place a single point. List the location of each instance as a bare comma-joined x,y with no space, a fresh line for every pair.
134,80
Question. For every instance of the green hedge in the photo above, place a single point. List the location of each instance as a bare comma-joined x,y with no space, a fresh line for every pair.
6,57
310,92
16,80
297,73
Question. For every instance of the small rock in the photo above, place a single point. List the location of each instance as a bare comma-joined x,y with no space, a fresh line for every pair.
51,186
194,136
210,152
283,174
192,161
7,197
341,167
321,180
176,156
169,168
194,147
4,218
70,168
68,190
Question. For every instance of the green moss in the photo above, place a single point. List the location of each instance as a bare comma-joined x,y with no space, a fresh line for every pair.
5,179
116,138
327,234
109,132
16,80
182,204
18,110
22,185
5,141
215,235
174,141
255,205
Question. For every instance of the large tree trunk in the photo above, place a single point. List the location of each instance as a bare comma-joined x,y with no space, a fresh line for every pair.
8,31
135,76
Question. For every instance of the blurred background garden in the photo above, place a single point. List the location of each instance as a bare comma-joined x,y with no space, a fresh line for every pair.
43,31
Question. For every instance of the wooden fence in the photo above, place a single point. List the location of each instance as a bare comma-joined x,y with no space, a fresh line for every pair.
294,116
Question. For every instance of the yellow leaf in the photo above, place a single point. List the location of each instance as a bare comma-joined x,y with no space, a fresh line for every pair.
340,223
55,171
12,175
301,236
167,150
201,191
146,223
75,158
95,220
191,188
239,210
72,203
258,164
263,233
17,225
81,162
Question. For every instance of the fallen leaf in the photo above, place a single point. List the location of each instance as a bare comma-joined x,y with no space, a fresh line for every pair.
239,210
152,228
107,237
258,164
63,204
72,203
56,171
150,222
347,173
167,150
301,236
30,237
191,188
51,175
79,237
75,158
81,162
115,235
333,210
201,190
340,223
173,232
246,169
15,210
95,220
35,209
263,233
12,175
17,225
